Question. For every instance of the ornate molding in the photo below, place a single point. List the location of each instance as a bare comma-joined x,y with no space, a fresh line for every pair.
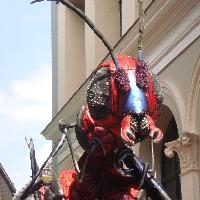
184,26
191,108
187,150
170,89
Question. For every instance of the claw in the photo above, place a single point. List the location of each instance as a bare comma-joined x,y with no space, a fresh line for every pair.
156,134
126,134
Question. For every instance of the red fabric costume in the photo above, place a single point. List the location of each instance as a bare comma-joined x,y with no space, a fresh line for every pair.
105,118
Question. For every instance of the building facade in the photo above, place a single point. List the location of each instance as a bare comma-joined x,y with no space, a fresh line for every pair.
172,50
7,188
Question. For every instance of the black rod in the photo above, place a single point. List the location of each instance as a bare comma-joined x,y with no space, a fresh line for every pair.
90,24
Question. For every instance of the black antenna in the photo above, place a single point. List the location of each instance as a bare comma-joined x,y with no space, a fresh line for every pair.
34,165
90,24
30,188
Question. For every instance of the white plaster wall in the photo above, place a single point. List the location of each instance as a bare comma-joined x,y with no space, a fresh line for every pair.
54,43
198,116
171,101
75,53
90,38
69,60
179,74
128,14
107,19
193,105
105,15
180,70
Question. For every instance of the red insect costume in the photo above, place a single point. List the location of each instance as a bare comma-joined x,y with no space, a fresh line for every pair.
121,107
122,103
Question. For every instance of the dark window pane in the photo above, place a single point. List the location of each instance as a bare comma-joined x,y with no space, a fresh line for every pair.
170,167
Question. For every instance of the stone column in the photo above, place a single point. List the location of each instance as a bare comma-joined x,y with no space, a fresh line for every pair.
187,148
129,9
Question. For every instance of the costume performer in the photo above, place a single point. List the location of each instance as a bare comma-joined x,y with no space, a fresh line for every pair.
121,107
123,101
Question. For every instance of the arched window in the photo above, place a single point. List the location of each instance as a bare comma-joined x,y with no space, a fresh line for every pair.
170,167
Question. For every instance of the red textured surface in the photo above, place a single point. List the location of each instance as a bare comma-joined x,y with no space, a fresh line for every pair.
67,179
74,190
125,127
116,123
152,105
42,192
109,131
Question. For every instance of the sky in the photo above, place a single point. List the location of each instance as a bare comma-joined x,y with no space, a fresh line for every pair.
25,84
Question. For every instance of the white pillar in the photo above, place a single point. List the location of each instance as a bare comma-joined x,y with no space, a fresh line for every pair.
61,56
90,38
187,149
105,15
129,10
71,54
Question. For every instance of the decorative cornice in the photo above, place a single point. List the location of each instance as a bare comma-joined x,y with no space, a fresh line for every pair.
191,109
170,89
186,148
170,27
68,113
182,41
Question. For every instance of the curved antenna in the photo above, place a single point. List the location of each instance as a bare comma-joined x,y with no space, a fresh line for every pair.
90,24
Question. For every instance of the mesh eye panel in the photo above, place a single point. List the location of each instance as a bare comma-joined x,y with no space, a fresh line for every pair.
157,89
99,95
139,127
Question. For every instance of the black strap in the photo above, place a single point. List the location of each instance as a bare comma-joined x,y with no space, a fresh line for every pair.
145,170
